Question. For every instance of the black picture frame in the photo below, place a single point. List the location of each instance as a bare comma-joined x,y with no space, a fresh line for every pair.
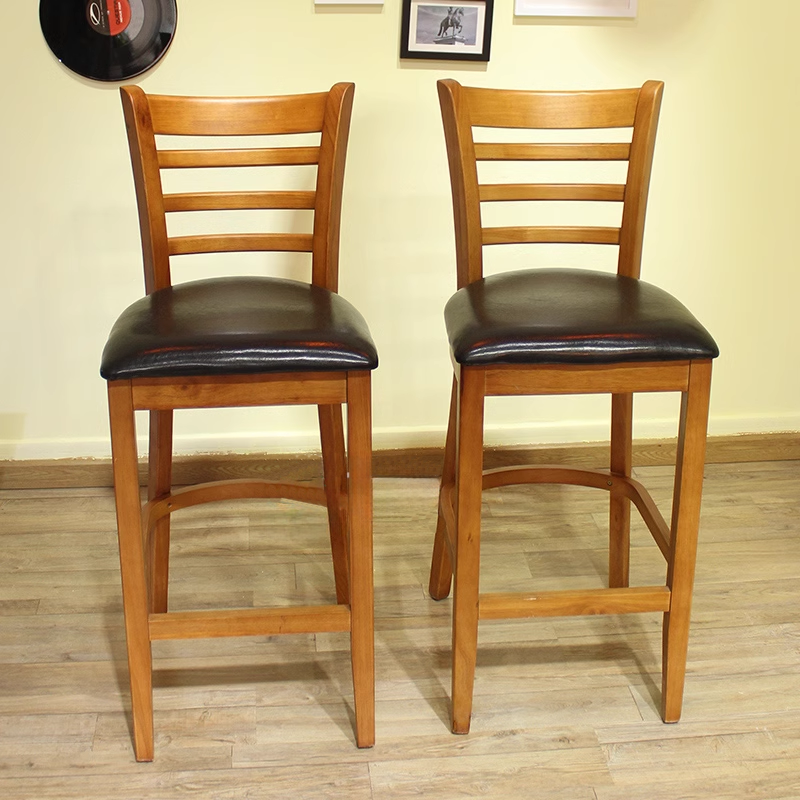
424,30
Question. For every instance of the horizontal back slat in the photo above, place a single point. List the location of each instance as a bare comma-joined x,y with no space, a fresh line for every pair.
612,151
237,116
241,243
493,192
551,235
484,128
230,201
495,108
263,157
305,135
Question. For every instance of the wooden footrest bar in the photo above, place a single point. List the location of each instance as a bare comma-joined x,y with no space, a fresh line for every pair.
591,478
249,622
235,489
518,605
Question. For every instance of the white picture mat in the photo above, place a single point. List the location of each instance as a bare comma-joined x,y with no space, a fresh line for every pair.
421,47
575,8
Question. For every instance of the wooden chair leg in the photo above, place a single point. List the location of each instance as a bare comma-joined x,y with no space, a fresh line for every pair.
359,456
469,485
132,564
685,524
159,484
619,522
334,469
441,566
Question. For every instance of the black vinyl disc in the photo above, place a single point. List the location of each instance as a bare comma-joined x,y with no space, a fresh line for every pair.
108,40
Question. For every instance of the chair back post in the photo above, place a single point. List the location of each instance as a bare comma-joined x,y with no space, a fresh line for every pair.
643,144
330,182
463,181
149,194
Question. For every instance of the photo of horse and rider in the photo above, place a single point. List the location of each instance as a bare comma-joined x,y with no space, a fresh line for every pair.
442,24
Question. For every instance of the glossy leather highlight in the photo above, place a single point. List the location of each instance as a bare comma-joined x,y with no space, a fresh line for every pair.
226,326
570,316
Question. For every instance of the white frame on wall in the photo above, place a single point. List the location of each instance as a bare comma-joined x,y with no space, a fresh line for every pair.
575,8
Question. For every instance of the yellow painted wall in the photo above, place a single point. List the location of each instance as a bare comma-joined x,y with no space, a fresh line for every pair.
721,229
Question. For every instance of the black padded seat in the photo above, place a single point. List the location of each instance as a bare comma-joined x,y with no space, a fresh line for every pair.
570,316
242,325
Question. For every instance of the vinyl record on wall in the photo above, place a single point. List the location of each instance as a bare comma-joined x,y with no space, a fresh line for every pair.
108,40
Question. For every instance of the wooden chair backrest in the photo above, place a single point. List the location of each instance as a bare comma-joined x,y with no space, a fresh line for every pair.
466,108
325,113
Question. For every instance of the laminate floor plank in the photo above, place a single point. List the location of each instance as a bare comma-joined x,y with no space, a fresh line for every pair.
564,708
345,782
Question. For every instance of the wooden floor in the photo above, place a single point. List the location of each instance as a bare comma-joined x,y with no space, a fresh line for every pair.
563,708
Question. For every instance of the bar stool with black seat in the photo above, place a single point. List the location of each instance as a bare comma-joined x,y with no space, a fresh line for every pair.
559,331
241,341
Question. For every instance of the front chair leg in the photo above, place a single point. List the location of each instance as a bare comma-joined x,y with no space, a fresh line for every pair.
362,643
132,564
441,566
685,525
469,485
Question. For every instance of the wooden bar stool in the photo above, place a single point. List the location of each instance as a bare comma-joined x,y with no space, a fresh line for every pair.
240,341
557,332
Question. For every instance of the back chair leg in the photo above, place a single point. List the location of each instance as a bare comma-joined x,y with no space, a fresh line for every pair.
619,523
441,566
159,484
469,485
334,469
359,457
132,564
685,524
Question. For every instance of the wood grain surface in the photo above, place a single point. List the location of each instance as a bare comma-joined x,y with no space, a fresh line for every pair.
564,708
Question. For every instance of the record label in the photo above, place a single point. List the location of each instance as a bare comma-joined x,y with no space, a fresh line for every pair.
111,20
108,40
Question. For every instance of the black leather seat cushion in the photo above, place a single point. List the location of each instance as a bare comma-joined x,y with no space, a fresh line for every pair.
570,316
228,326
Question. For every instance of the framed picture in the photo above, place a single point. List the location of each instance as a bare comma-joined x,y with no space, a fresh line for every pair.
575,8
456,32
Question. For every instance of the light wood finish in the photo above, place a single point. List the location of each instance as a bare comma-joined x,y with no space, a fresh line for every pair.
409,462
159,483
230,201
133,562
359,542
252,157
346,491
249,622
683,543
334,469
465,555
241,390
241,243
596,379
571,602
503,192
541,235
457,542
564,707
621,463
552,152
